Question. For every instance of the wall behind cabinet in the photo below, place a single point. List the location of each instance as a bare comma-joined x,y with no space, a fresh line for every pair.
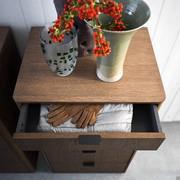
164,28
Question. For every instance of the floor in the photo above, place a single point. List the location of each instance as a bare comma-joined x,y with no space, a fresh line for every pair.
163,164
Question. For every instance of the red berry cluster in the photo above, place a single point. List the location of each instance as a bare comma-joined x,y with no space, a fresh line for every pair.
102,47
55,33
89,10
114,10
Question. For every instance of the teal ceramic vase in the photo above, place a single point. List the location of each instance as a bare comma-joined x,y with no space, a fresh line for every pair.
135,14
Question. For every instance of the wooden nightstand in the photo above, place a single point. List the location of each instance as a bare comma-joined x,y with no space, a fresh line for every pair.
90,152
12,158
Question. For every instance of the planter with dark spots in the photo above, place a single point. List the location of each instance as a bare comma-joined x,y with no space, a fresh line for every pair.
60,57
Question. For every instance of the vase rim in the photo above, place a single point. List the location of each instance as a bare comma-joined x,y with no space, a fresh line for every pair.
125,31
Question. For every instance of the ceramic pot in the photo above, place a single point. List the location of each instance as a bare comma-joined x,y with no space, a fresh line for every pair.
135,14
60,57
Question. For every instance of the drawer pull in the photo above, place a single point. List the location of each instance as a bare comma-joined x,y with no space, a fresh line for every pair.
88,151
89,164
89,139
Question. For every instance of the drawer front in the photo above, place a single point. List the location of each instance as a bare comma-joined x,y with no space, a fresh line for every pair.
101,154
68,151
9,160
146,132
87,165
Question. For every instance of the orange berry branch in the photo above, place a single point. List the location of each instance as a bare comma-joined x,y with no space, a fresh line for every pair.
89,10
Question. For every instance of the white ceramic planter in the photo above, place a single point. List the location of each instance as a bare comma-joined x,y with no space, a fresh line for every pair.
60,57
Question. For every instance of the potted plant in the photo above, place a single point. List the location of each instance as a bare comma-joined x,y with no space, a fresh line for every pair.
114,24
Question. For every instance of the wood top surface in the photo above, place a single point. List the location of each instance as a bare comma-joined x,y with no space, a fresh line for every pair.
141,82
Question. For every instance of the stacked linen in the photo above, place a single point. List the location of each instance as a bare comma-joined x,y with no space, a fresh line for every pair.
112,117
45,126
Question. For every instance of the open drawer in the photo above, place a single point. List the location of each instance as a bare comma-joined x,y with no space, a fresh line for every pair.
90,152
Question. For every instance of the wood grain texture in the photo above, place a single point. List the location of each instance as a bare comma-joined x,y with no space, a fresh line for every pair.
9,161
141,81
12,158
135,141
144,127
76,161
9,62
9,67
3,35
64,150
64,153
